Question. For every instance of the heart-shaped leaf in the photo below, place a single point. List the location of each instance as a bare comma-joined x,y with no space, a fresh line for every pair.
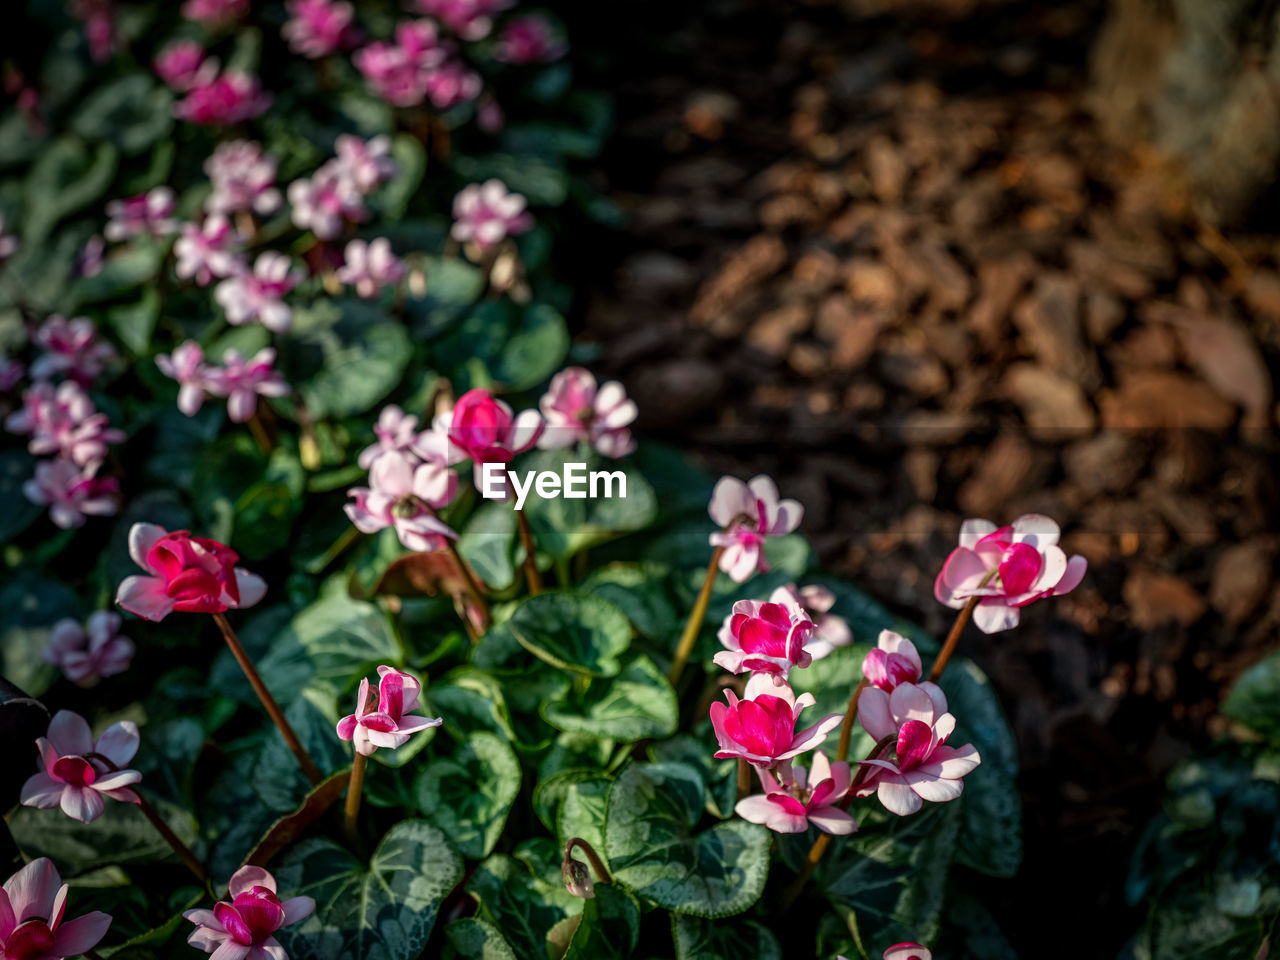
697,938
573,631
472,939
469,794
344,638
523,896
609,926
637,704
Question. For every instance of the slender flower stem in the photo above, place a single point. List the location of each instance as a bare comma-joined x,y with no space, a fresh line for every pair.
355,789
273,709
694,624
260,435
846,728
473,587
744,778
531,573
957,628
593,858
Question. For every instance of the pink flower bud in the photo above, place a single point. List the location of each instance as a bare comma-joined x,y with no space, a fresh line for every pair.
184,573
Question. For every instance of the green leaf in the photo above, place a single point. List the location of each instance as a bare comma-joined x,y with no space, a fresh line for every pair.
1255,699
639,590
469,794
698,939
382,911
67,177
524,897
583,812
16,468
542,183
637,704
534,349
472,939
573,631
134,323
280,784
486,543
361,356
123,270
719,776
471,700
132,112
653,849
120,835
619,502
344,638
610,926
411,163
29,606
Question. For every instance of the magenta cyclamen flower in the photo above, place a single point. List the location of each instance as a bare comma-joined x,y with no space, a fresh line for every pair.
147,213
528,39
370,267
894,661
1008,568
72,493
317,28
242,381
923,766
395,431
483,429
205,251
816,600
748,513
259,295
89,653
230,97
243,179
761,727
576,409
469,19
178,64
768,638
71,347
32,905
324,202
187,366
215,12
795,799
398,71
63,421
243,928
907,951
366,164
486,213
74,779
451,84
383,722
404,493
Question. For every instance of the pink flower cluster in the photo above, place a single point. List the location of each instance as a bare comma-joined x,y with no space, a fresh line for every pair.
208,251
469,19
221,99
335,194
487,213
775,636
528,39
241,381
317,28
243,179
215,13
385,720
257,295
86,654
149,213
62,422
243,928
416,66
370,267
577,410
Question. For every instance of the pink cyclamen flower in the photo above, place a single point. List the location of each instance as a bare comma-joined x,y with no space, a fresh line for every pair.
88,654
205,251
469,19
923,766
576,409
33,903
894,661
317,28
370,267
187,366
184,573
72,493
816,600
398,71
486,213
1008,567
747,514
366,164
800,798
74,779
148,213
908,951
242,381
384,722
482,429
395,431
99,18
489,115
404,494
325,202
242,928
528,39
62,421
451,83
761,727
228,98
8,242
259,295
178,64
213,13
71,347
243,179
768,638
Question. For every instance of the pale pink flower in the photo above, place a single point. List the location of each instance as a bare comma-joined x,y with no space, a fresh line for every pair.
32,905
385,721
923,767
469,19
1008,568
405,494
761,727
317,28
178,64
99,18
480,428
242,929
62,421
74,779
71,347
893,661
213,13
486,213
398,71
907,951
370,267
187,366
395,431
8,243
243,178
577,410
228,98
748,513
366,164
325,201
89,653
72,493
816,600
184,573
770,637
242,381
451,83
205,251
796,799
528,39
259,296
148,213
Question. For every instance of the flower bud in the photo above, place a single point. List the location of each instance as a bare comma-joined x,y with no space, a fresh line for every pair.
577,878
